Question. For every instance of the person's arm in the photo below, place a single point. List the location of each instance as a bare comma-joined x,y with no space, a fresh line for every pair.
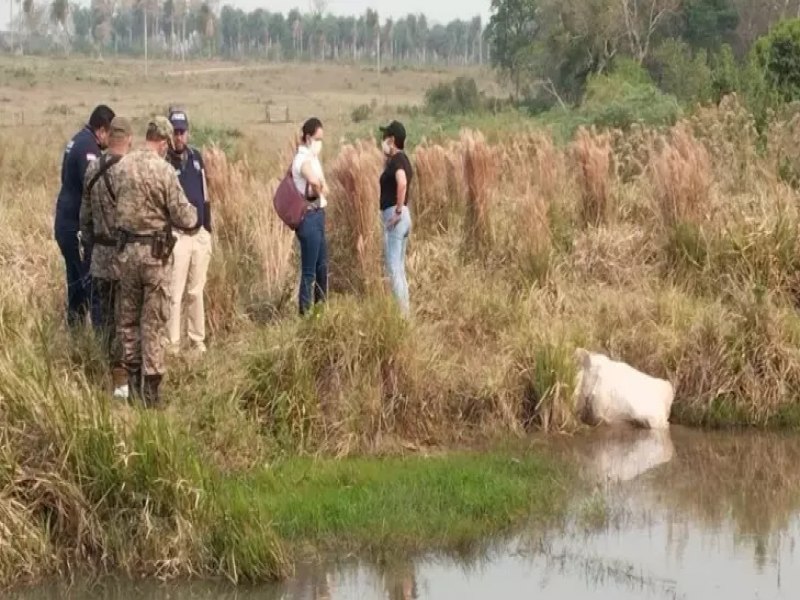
84,156
206,218
402,188
181,212
316,184
86,223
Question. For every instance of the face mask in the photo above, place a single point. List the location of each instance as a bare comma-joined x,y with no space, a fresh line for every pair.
316,147
387,149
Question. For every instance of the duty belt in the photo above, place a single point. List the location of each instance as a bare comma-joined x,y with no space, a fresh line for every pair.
104,240
137,238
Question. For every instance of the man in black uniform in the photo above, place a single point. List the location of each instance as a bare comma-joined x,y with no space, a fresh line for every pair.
83,149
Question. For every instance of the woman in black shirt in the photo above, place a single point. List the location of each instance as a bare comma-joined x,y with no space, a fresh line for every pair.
395,181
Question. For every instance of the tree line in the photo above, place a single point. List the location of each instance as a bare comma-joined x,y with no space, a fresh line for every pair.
186,28
549,49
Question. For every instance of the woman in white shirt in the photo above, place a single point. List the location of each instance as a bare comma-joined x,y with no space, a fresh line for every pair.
310,182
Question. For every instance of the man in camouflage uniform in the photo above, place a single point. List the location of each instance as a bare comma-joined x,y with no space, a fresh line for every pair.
150,202
98,234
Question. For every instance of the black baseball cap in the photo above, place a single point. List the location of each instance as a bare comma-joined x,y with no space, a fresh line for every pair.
395,129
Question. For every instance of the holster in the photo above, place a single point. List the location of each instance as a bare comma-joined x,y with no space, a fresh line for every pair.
163,244
122,240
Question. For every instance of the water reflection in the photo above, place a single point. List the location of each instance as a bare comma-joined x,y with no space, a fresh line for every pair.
694,515
623,454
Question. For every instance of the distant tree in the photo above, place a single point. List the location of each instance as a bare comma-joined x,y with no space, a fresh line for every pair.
643,20
513,29
709,23
59,11
476,38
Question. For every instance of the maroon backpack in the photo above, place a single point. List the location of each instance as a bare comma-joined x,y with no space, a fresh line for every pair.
289,203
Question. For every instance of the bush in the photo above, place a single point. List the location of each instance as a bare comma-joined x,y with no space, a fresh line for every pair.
778,55
460,96
677,72
361,113
725,75
627,96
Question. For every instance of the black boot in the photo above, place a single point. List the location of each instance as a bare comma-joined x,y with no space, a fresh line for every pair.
152,397
134,386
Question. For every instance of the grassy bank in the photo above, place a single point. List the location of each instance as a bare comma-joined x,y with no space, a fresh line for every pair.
399,504
674,250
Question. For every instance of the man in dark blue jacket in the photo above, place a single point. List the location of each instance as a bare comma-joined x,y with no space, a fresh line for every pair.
84,148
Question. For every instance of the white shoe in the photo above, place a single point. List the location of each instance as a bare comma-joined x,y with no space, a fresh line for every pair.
122,392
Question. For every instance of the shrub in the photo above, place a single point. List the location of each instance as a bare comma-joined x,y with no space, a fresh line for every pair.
778,56
460,96
682,74
725,73
627,96
361,113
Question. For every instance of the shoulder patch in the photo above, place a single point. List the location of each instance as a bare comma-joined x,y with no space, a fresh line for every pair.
91,156
196,165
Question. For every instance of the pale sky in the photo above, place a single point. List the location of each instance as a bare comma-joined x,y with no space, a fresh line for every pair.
440,11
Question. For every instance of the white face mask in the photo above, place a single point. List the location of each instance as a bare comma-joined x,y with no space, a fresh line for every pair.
387,149
316,147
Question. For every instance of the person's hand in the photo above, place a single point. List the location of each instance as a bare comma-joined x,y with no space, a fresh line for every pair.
393,221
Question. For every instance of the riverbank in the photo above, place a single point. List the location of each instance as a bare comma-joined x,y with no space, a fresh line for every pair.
673,250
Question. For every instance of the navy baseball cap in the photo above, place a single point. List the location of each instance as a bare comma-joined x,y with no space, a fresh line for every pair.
179,120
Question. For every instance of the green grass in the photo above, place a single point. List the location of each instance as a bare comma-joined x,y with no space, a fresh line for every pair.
443,502
440,128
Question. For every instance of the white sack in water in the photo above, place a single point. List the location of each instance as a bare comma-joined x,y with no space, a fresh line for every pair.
613,392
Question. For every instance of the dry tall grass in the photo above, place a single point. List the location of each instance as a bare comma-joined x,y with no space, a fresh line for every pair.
680,172
356,244
480,175
254,250
592,155
435,206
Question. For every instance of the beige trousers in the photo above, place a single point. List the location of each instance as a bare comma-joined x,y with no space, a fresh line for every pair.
191,255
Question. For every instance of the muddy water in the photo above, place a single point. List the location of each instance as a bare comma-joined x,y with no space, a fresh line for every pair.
682,514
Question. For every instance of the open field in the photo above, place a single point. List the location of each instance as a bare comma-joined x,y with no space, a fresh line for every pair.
60,93
675,250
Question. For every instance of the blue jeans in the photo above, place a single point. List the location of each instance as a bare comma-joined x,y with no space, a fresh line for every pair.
80,300
313,259
395,242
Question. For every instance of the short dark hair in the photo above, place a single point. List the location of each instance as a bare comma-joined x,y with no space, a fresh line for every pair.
101,118
311,127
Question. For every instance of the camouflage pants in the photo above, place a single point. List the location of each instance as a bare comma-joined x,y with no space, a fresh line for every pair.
107,291
144,304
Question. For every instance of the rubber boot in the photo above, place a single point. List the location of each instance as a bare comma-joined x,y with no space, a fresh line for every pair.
152,396
120,385
134,386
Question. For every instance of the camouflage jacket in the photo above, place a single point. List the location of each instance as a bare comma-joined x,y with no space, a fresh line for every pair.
149,195
98,216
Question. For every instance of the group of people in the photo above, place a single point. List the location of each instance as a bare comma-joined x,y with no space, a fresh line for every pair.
309,179
134,229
